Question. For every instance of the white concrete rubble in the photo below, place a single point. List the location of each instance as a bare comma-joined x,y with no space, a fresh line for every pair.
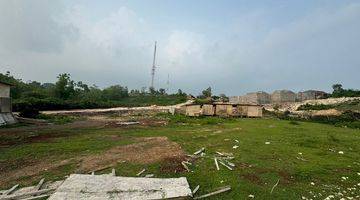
96,187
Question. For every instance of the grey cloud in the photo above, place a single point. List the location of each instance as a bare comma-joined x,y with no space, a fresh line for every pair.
311,52
31,26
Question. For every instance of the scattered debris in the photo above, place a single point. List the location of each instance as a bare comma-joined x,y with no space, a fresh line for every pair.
100,169
229,163
272,189
149,175
196,189
221,154
142,171
225,189
216,164
24,195
225,165
187,162
113,173
199,151
185,166
9,191
37,197
127,123
40,184
300,158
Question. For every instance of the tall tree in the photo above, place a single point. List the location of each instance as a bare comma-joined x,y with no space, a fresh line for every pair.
337,87
207,92
64,87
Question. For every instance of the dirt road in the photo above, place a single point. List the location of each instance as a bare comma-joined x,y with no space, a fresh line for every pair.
105,110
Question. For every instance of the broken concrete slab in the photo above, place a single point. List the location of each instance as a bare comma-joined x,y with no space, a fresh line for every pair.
83,186
127,123
32,192
7,118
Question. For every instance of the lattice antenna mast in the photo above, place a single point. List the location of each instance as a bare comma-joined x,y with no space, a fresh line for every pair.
168,83
153,68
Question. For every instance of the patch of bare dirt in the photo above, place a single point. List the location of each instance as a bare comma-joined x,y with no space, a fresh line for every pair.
286,178
173,165
32,170
36,128
146,150
253,178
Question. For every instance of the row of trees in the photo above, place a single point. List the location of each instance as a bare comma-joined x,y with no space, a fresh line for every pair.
338,91
66,93
66,89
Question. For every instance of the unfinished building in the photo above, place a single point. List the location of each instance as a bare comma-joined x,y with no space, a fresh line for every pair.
193,110
251,98
310,95
208,110
223,110
283,96
6,116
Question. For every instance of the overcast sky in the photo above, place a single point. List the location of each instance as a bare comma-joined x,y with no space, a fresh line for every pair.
234,46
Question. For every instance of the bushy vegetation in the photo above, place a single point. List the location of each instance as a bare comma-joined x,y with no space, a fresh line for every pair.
338,91
207,97
348,105
349,119
30,97
315,107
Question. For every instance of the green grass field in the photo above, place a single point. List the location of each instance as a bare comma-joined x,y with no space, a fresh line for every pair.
310,160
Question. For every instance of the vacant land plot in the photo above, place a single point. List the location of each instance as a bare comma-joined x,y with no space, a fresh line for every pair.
306,159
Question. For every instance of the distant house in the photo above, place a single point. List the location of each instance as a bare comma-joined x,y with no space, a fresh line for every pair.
283,96
251,98
310,95
6,116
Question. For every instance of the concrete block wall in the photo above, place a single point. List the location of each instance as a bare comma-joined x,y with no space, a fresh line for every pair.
251,98
4,90
282,96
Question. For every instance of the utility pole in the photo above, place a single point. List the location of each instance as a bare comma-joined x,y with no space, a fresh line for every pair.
153,68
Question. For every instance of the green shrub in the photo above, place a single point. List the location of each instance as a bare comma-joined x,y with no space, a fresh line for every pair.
315,107
202,101
29,112
292,122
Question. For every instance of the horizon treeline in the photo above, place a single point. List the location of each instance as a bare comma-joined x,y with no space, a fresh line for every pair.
66,93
